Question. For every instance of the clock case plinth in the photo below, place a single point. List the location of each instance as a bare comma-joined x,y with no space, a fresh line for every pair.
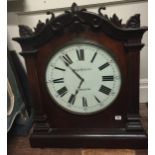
54,127
133,136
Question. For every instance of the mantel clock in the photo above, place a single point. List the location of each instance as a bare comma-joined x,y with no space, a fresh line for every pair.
83,71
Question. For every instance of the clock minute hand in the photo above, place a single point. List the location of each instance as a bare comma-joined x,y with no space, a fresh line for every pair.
73,71
76,74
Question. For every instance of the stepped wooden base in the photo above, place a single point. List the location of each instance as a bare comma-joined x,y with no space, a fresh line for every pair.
90,138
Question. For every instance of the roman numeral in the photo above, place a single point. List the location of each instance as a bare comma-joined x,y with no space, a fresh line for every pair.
60,68
108,78
105,90
97,99
67,59
61,80
71,99
103,66
62,91
80,54
94,56
84,102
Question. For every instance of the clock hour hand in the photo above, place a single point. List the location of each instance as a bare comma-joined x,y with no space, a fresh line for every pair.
73,96
78,88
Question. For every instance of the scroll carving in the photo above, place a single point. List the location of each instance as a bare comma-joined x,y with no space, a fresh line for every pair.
76,19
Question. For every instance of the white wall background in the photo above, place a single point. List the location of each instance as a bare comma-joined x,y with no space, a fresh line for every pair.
28,12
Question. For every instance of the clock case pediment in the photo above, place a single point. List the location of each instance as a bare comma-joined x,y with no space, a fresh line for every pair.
123,40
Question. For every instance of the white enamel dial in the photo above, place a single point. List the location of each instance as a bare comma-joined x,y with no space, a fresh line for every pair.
83,78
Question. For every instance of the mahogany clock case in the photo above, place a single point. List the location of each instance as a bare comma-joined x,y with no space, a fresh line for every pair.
56,127
70,120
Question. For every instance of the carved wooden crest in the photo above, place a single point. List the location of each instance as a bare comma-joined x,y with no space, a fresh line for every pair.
77,19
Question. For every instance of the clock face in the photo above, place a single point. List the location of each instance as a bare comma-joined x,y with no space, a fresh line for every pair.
83,78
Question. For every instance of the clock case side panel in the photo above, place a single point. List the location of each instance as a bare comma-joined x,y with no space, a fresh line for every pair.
133,47
74,21
34,84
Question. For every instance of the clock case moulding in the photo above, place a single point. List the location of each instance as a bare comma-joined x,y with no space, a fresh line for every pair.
54,127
